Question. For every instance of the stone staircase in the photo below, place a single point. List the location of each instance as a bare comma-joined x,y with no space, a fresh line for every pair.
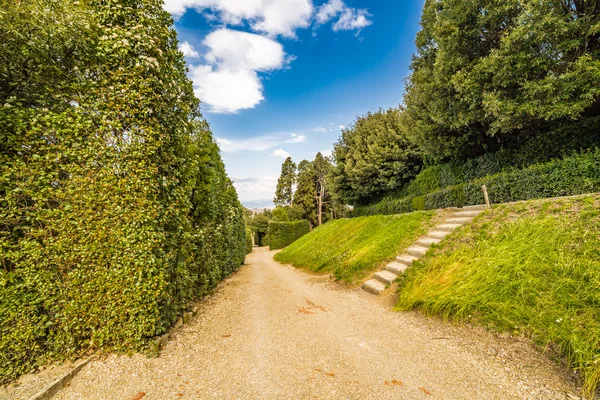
383,279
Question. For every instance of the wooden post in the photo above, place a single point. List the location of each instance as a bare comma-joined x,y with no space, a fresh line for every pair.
487,199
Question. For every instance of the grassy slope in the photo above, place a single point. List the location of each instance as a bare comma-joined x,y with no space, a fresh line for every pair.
353,248
531,267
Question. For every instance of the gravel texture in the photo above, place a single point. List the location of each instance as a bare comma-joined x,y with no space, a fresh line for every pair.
273,332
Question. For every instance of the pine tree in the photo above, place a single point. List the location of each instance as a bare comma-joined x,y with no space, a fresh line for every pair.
305,195
285,184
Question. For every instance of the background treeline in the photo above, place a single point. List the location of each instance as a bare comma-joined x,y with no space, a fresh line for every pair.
115,209
495,87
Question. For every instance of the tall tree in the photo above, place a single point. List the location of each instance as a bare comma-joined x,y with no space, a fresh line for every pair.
373,156
322,168
305,194
285,184
487,73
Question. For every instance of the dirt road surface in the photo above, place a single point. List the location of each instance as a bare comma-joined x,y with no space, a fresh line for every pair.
273,332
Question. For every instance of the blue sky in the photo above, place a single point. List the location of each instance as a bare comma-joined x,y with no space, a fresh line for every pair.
279,77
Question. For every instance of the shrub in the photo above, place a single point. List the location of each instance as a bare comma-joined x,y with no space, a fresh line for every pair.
282,234
565,141
573,175
116,211
249,240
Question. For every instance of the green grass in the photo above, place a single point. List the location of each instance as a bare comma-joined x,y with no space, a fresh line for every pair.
351,249
530,267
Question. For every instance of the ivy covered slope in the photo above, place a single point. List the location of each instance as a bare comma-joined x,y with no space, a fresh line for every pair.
529,267
351,249
115,208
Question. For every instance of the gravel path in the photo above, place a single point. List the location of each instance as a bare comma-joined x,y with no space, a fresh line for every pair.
273,332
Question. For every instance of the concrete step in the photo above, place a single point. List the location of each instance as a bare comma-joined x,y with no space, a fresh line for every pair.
480,207
458,220
386,277
437,234
428,241
466,214
396,267
417,250
373,286
406,259
447,227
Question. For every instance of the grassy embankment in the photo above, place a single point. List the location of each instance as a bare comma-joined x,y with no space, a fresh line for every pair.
530,267
351,249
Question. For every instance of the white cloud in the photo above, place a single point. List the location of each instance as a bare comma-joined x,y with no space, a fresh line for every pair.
229,82
188,50
273,17
255,188
342,126
241,50
259,143
329,10
327,153
281,153
348,18
320,129
297,138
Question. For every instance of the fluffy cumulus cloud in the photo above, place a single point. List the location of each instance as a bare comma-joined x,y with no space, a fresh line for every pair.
188,50
273,17
229,82
259,143
344,18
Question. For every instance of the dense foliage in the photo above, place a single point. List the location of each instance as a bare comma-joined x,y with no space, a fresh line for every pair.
351,249
570,176
116,211
487,73
284,191
530,268
312,199
373,156
282,234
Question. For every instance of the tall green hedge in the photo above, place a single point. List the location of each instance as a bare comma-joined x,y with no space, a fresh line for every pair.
282,234
249,240
573,175
562,142
115,210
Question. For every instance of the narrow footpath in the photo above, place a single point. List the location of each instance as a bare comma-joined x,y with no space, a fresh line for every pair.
273,332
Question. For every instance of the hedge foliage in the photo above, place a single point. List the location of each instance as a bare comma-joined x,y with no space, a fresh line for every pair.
115,208
572,175
562,142
249,240
282,234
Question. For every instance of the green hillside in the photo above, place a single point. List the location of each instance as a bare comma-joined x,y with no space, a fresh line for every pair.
351,249
529,267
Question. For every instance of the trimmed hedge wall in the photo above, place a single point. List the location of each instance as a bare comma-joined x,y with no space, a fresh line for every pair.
571,176
282,234
560,143
115,209
249,241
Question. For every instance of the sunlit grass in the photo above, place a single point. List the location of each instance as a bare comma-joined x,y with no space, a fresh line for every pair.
351,249
531,267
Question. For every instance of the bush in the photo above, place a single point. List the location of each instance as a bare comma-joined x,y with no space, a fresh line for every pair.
573,175
116,210
282,234
563,142
249,240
